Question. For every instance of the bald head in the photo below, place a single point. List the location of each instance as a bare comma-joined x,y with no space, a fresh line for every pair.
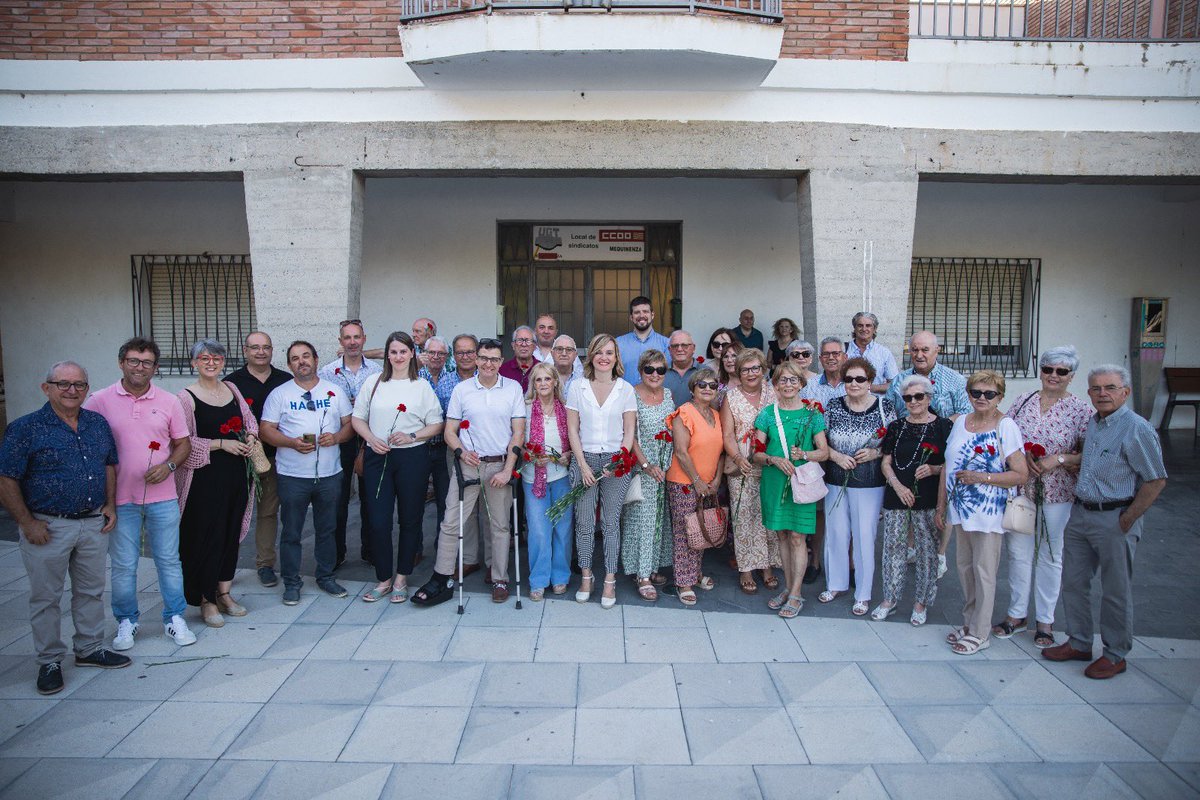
923,348
682,348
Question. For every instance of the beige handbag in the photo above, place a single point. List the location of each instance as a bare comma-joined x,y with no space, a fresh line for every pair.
258,458
634,494
1020,515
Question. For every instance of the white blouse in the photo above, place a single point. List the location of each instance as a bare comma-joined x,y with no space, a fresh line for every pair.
601,427
421,407
552,441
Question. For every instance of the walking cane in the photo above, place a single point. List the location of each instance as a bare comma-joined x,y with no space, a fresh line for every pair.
463,483
515,481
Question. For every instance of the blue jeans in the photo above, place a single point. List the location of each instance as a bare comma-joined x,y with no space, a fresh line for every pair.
549,545
295,496
124,542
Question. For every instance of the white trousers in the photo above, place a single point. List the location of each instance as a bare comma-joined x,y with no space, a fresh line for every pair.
1049,567
854,517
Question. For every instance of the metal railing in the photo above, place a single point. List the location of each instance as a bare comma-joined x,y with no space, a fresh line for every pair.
764,10
1056,20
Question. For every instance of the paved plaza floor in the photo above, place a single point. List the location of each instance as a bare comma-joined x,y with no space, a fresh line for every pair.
339,698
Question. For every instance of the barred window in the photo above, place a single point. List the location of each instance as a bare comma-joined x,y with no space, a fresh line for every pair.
983,310
178,299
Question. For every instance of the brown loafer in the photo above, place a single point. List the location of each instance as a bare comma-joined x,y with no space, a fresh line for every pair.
1103,668
499,592
1064,652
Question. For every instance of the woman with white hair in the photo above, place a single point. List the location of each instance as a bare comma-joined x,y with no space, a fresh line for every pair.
801,352
913,455
1053,423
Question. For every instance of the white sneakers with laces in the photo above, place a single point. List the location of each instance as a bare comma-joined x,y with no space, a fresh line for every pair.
178,630
126,630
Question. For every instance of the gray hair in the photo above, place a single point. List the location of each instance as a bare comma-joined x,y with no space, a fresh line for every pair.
523,328
210,346
437,339
874,319
562,336
921,381
834,339
1065,355
57,365
936,342
799,344
1111,369
474,339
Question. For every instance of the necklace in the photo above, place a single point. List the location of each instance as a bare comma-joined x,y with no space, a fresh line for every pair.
920,441
756,403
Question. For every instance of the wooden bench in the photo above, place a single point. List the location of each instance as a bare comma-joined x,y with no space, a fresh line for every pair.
1182,380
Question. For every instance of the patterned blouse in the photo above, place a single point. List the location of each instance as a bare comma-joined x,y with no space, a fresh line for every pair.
850,431
1060,430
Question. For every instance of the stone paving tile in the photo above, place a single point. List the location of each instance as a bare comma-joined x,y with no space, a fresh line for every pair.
339,643
943,782
1055,781
819,781
325,610
502,615
736,783
911,644
1155,781
668,646
406,734
169,778
627,686
1169,732
300,732
356,612
739,637
961,734
742,736
852,736
241,637
296,642
341,682
580,645
630,736
529,685
1180,675
187,730
331,781
19,713
235,680
1189,773
518,736
265,608
444,615
67,778
1133,686
418,683
825,684
18,679
1071,733
465,781
404,643
666,613
920,683
839,640
558,783
725,686
564,612
232,780
82,728
13,768
1016,683
1170,648
492,644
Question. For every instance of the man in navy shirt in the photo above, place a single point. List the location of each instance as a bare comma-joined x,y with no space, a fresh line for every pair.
58,480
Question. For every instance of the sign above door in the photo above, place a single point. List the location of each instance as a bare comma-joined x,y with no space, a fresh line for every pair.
589,242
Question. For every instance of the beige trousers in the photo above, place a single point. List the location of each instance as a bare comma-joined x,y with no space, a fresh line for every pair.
978,558
498,504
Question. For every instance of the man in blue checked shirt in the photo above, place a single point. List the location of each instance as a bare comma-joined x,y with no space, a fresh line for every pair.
949,386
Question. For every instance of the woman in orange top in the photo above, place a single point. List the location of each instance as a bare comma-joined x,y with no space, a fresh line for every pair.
695,472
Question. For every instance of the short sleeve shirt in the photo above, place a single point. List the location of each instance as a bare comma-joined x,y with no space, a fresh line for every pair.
489,412
880,357
337,373
978,506
601,427
1060,430
298,411
949,392
379,403
60,471
631,348
156,416
704,448
1121,453
849,431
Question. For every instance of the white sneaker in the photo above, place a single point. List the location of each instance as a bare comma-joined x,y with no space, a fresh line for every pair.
126,630
941,565
178,630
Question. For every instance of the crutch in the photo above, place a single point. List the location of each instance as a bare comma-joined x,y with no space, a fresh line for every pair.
463,483
515,482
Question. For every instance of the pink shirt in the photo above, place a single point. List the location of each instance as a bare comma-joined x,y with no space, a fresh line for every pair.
156,416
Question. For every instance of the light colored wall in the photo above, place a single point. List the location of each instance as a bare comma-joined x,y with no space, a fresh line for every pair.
1100,247
64,258
429,245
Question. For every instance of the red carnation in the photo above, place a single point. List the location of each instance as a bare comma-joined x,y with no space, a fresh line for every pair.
234,424
759,446
687,490
978,449
667,436
819,407
462,426
880,432
249,401
616,457
516,474
991,450
337,370
331,394
224,429
804,401
401,408
155,445
699,359
932,448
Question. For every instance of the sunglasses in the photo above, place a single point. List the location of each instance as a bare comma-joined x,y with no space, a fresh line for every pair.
649,370
1061,372
800,354
707,385
346,322
490,344
987,394
913,398
718,346
857,379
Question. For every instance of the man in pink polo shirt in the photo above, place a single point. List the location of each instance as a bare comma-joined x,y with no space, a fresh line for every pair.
152,440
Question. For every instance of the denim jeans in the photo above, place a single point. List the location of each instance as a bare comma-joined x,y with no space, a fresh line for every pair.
549,544
295,496
124,543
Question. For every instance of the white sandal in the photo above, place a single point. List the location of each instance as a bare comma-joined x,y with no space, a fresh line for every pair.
969,645
860,608
609,602
881,613
918,617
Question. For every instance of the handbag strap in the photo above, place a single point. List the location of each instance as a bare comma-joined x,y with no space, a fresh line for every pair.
783,442
700,508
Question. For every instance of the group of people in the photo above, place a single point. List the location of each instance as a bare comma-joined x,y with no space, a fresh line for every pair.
663,453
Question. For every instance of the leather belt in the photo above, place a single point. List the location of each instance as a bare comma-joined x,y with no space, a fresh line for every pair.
1107,505
491,459
93,513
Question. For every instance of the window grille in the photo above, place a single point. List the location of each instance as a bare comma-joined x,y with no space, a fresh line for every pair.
984,311
178,299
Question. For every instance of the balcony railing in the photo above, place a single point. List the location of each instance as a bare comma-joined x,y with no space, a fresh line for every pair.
1056,20
765,10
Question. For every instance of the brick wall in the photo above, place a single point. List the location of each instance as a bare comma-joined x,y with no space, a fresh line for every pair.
135,30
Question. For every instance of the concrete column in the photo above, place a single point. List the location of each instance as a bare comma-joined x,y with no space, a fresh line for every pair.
844,214
305,229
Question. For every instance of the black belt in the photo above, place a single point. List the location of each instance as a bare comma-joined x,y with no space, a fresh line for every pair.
78,515
491,459
1107,505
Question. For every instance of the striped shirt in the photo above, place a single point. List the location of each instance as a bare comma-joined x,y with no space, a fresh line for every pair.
1120,453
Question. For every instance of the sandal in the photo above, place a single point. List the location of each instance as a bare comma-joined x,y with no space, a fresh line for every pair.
956,634
776,602
969,645
376,594
770,581
433,592
882,612
828,596
399,594
706,583
581,596
860,608
233,609
687,597
647,591
213,618
918,617
609,602
1006,629
748,585
1043,639
536,595
658,580
559,588
791,609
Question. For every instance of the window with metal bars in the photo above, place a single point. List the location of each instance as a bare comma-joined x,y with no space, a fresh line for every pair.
983,310
178,299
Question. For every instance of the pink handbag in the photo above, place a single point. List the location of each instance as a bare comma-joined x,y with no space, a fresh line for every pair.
808,479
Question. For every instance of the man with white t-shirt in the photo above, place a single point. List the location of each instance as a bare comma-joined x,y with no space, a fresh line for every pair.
307,419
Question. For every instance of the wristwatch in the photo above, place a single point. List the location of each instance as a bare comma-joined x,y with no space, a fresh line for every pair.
646,465
171,466
458,451
1061,461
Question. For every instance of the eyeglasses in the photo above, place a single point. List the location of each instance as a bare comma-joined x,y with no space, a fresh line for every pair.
788,380
1061,372
563,349
751,369
988,394
834,354
857,379
436,353
208,358
523,340
913,398
259,348
147,363
62,386
464,353
1109,389
707,385
683,346
649,370
489,359
800,354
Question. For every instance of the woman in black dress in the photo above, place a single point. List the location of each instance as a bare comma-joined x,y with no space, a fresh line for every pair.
214,488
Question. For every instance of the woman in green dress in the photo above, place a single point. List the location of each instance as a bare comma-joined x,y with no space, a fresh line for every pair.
804,426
